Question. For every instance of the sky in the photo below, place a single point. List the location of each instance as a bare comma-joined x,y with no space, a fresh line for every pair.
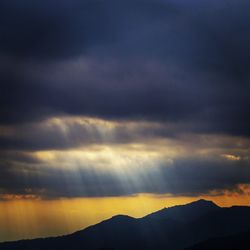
114,106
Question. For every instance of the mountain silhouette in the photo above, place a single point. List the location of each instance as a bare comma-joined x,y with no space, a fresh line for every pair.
185,213
172,228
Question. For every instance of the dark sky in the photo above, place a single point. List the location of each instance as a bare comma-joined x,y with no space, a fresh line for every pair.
89,75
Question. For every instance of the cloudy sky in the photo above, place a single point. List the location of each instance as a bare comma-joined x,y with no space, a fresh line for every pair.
110,104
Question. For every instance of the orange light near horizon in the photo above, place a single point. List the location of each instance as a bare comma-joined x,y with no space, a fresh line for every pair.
22,218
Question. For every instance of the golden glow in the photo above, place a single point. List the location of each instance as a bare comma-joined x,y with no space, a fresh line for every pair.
108,143
99,142
231,157
20,218
103,157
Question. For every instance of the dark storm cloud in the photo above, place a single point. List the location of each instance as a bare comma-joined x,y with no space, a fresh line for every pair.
164,60
72,132
187,176
184,63
49,30
53,30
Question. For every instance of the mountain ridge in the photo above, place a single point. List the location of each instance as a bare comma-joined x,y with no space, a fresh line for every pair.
185,212
171,228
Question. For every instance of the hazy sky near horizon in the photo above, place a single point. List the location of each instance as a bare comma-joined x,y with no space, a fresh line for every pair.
110,99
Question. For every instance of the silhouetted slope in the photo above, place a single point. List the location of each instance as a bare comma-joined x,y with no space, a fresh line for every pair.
185,213
234,242
171,228
223,222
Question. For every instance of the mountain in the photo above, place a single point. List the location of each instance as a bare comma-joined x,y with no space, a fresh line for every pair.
172,228
185,213
234,242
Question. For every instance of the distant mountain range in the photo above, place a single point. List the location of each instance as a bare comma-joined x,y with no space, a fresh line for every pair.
194,226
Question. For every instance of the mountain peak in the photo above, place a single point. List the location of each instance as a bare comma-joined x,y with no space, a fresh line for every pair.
186,212
202,202
121,216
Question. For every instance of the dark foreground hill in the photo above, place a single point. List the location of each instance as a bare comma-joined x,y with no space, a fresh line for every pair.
173,228
234,242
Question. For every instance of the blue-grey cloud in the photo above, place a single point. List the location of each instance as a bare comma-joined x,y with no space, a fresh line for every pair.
184,63
186,176
196,56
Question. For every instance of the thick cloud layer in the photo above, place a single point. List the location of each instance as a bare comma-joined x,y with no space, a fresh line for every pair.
137,72
186,176
136,59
